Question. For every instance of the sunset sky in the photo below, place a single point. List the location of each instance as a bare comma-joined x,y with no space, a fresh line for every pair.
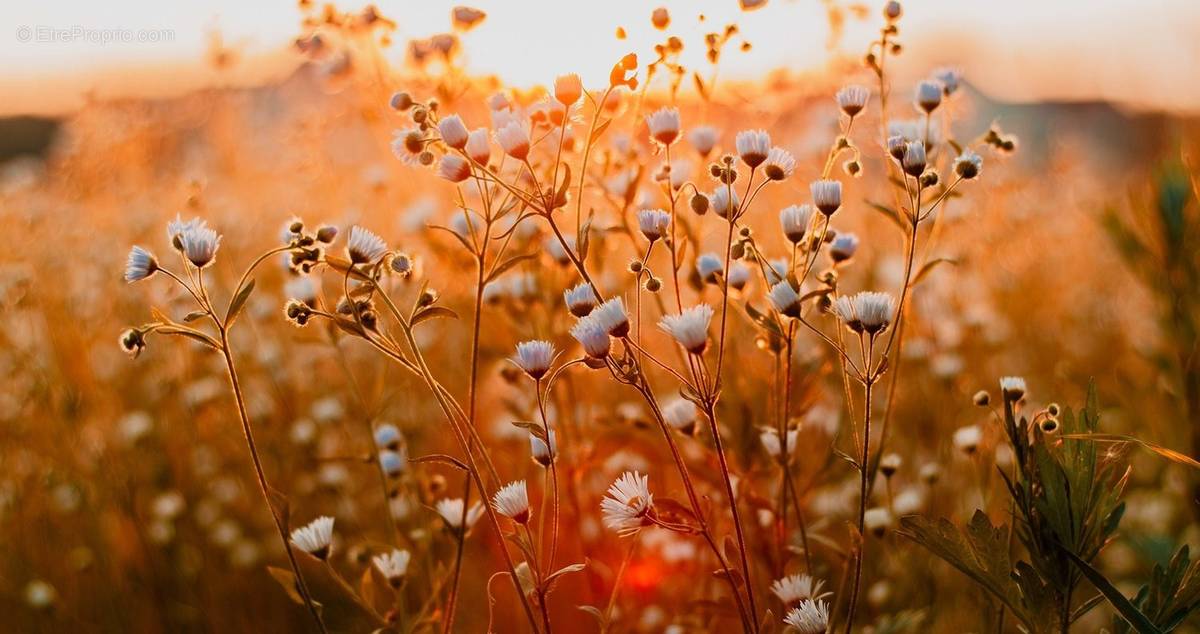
1142,53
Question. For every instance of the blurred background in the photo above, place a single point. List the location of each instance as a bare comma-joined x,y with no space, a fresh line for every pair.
126,502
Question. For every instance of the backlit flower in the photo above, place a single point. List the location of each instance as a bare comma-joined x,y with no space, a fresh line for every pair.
929,95
852,99
794,219
534,357
866,311
542,453
653,223
914,158
568,89
580,299
451,512
454,168
826,195
709,267
968,165
724,202
627,504
140,264
664,125
785,299
365,247
199,243
514,140
611,317
393,566
1012,387
592,336
843,247
689,328
796,588
479,147
703,139
810,617
681,414
512,501
967,439
315,538
779,165
454,131
753,146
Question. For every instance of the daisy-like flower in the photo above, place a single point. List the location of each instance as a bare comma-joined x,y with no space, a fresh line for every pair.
514,140
1012,387
929,95
512,501
739,275
852,99
968,165
703,139
301,289
392,463
407,145
653,223
796,588
843,247
387,436
877,521
753,146
664,126
723,202
914,158
393,566
967,439
557,251
866,311
568,89
826,195
542,453
612,318
795,219
365,247
454,131
709,267
777,270
681,414
780,164
199,243
949,78
769,437
580,299
140,265
689,328
810,617
785,299
315,538
454,168
534,357
451,512
593,337
628,503
478,147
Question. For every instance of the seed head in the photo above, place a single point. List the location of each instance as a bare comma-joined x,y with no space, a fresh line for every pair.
132,341
968,165
982,398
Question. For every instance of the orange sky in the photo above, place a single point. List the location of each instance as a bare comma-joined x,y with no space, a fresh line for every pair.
1141,52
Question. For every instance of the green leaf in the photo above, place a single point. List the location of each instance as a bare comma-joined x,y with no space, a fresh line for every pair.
1123,606
239,302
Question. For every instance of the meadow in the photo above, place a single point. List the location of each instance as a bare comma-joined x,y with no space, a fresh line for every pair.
400,349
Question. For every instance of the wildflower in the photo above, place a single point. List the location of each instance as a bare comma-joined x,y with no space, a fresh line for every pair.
542,453
826,195
315,538
852,99
512,501
681,414
949,78
580,299
302,290
892,10
558,251
866,311
387,436
454,168
452,509
689,328
628,504
653,223
403,264
199,243
534,357
407,145
982,398
611,317
929,95
478,147
796,588
777,270
664,126
739,275
967,439
393,566
703,139
40,595
889,464
454,131
593,337
709,267
930,472
1012,387
968,165
877,521
914,158
753,146
780,164
365,247
568,89
843,247
140,265
785,299
724,202
810,617
770,440
895,147
514,140
794,219
392,463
